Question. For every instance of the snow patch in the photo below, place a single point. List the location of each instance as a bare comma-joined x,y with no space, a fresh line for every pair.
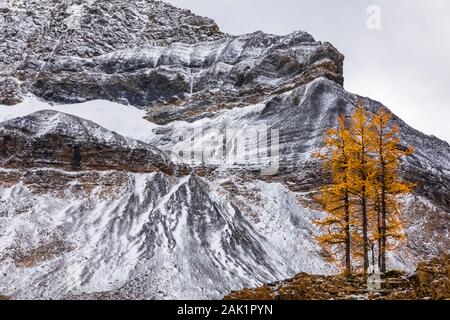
125,120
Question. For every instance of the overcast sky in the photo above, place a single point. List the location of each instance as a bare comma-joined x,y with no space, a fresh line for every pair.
405,64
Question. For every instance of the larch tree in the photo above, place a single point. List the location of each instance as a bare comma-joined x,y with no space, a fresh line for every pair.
362,174
388,154
335,196
362,156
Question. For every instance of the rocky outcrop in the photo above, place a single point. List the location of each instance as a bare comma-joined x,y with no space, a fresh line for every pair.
86,28
149,76
61,141
434,278
9,91
38,32
431,280
147,53
96,201
301,117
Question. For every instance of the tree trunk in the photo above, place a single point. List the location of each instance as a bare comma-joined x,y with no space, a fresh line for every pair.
383,229
372,249
365,236
348,262
379,235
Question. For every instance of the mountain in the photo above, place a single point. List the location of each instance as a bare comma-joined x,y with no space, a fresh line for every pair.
95,204
86,209
39,31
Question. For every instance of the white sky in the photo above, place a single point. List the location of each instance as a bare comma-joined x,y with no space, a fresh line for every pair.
405,65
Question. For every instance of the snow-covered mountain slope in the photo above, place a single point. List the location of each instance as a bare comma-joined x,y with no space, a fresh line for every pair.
144,236
95,201
148,75
301,117
33,32
145,53
84,210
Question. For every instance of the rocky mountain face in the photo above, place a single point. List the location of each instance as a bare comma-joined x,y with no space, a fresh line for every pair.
34,33
57,140
147,52
88,213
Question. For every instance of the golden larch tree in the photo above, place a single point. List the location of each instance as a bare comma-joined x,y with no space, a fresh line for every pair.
362,174
387,154
335,196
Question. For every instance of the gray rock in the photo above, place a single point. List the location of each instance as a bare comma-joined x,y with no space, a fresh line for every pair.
61,141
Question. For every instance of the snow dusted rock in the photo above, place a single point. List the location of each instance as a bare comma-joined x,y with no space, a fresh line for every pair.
132,235
35,32
88,28
145,51
236,65
79,201
52,139
9,91
301,116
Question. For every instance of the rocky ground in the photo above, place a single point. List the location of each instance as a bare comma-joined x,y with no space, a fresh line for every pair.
430,281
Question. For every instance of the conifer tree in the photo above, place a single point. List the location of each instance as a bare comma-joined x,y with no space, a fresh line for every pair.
387,158
335,197
361,174
363,211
